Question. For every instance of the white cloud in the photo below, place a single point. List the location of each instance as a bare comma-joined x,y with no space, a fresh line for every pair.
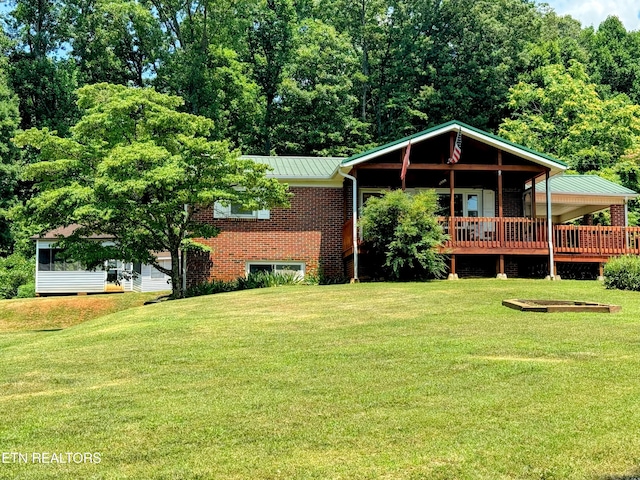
594,12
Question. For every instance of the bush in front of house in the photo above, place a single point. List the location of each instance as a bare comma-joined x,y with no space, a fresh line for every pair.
623,273
15,271
402,233
251,281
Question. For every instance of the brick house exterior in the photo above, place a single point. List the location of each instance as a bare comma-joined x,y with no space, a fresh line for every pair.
497,220
310,231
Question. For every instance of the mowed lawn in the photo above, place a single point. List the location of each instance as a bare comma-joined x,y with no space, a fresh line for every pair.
394,381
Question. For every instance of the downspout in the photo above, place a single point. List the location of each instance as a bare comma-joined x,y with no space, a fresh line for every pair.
355,223
549,227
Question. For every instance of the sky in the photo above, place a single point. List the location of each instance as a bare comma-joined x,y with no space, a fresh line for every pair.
593,12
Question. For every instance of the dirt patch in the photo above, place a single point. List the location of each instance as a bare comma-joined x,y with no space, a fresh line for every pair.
51,313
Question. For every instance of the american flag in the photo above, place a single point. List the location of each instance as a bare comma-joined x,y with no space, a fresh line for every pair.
457,148
405,161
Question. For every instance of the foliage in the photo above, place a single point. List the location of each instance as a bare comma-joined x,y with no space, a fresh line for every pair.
614,58
270,47
15,271
560,112
28,290
140,171
316,105
623,273
211,287
9,172
251,281
403,233
113,41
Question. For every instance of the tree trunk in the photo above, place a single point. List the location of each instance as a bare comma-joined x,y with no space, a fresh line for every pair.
176,275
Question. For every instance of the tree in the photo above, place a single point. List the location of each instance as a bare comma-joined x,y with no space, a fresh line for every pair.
315,113
270,45
9,120
477,55
615,59
138,170
43,83
403,234
560,112
113,41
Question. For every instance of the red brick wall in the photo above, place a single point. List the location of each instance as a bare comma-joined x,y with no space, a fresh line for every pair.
617,215
310,231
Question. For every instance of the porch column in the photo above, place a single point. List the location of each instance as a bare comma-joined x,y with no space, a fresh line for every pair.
500,209
501,232
552,265
452,210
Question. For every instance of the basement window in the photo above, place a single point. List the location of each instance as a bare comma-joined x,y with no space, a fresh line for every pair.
296,268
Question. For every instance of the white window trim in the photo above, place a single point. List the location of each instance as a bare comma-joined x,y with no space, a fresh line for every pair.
273,264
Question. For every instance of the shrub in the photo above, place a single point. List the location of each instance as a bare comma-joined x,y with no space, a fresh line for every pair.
27,290
268,279
209,288
15,270
402,233
623,273
251,281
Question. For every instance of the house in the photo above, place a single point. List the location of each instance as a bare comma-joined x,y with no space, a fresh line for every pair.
504,206
55,275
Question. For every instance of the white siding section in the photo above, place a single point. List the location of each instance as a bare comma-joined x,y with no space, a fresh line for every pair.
137,283
148,284
71,282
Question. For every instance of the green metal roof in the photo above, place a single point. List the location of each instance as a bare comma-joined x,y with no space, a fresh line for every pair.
302,168
451,126
585,185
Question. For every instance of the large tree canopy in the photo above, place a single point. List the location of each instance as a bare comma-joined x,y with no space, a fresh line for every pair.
138,170
560,112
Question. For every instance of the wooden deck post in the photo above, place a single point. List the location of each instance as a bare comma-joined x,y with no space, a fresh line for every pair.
452,273
501,236
601,271
501,275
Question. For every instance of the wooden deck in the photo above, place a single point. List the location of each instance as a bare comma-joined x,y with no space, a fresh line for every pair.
526,236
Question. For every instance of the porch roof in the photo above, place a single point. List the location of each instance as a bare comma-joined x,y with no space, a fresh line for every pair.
521,151
573,196
585,185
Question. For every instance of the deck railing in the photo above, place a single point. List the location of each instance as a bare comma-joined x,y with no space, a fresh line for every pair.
516,233
596,240
493,232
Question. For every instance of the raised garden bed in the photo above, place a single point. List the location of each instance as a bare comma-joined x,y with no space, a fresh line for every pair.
549,306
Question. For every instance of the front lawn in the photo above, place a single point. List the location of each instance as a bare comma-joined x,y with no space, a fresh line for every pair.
396,381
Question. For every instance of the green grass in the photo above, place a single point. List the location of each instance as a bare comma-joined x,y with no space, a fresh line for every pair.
393,381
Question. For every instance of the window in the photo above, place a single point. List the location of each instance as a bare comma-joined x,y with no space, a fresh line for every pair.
466,203
296,268
444,204
472,205
236,210
51,260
